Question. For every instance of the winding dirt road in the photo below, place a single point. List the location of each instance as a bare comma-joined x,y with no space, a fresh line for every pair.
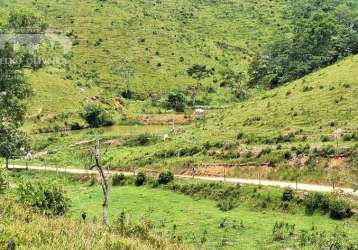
281,184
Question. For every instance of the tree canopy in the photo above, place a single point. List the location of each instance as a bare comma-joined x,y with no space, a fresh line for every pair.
14,89
321,33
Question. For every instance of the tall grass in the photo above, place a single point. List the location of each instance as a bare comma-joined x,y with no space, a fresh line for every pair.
25,229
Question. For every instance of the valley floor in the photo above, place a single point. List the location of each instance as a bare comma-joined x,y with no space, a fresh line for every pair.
195,221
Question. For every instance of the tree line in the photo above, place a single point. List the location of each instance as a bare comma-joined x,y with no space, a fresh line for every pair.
320,33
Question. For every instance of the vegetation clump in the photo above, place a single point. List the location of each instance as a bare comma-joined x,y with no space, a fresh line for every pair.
140,179
141,140
46,198
317,37
336,207
96,116
118,180
176,101
165,177
3,179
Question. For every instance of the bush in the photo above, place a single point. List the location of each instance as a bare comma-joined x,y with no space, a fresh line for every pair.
325,138
118,180
140,179
76,126
165,177
226,205
339,209
176,101
96,116
49,199
288,194
141,140
316,201
282,231
3,179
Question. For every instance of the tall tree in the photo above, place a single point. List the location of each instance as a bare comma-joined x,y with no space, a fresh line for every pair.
13,89
12,142
235,81
199,73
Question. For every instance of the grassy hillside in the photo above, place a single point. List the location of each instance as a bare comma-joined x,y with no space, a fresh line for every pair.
160,39
295,119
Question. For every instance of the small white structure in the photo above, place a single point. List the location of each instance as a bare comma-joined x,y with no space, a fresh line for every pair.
29,156
165,137
200,111
337,133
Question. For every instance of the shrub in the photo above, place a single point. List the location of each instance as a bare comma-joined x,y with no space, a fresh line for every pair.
165,177
76,126
226,205
141,140
3,179
316,201
140,179
118,180
339,209
282,231
287,155
49,199
288,194
327,150
325,138
96,116
176,101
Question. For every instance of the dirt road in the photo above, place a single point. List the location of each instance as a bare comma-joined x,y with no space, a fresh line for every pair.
281,184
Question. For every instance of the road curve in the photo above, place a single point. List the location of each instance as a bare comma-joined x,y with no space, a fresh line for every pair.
281,184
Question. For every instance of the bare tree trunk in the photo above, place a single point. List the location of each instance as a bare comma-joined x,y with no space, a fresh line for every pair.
7,163
104,184
105,205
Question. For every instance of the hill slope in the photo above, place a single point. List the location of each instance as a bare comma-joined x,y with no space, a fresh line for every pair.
160,39
299,117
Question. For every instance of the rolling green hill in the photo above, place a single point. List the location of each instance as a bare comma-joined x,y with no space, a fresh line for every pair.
270,128
160,39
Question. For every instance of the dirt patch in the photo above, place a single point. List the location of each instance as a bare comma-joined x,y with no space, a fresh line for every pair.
117,104
337,162
218,170
257,172
113,142
95,98
214,171
164,119
299,160
83,142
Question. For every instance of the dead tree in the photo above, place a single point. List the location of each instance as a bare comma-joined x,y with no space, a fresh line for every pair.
104,180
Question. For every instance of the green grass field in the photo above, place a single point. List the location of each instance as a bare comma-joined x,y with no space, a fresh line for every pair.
25,229
177,215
